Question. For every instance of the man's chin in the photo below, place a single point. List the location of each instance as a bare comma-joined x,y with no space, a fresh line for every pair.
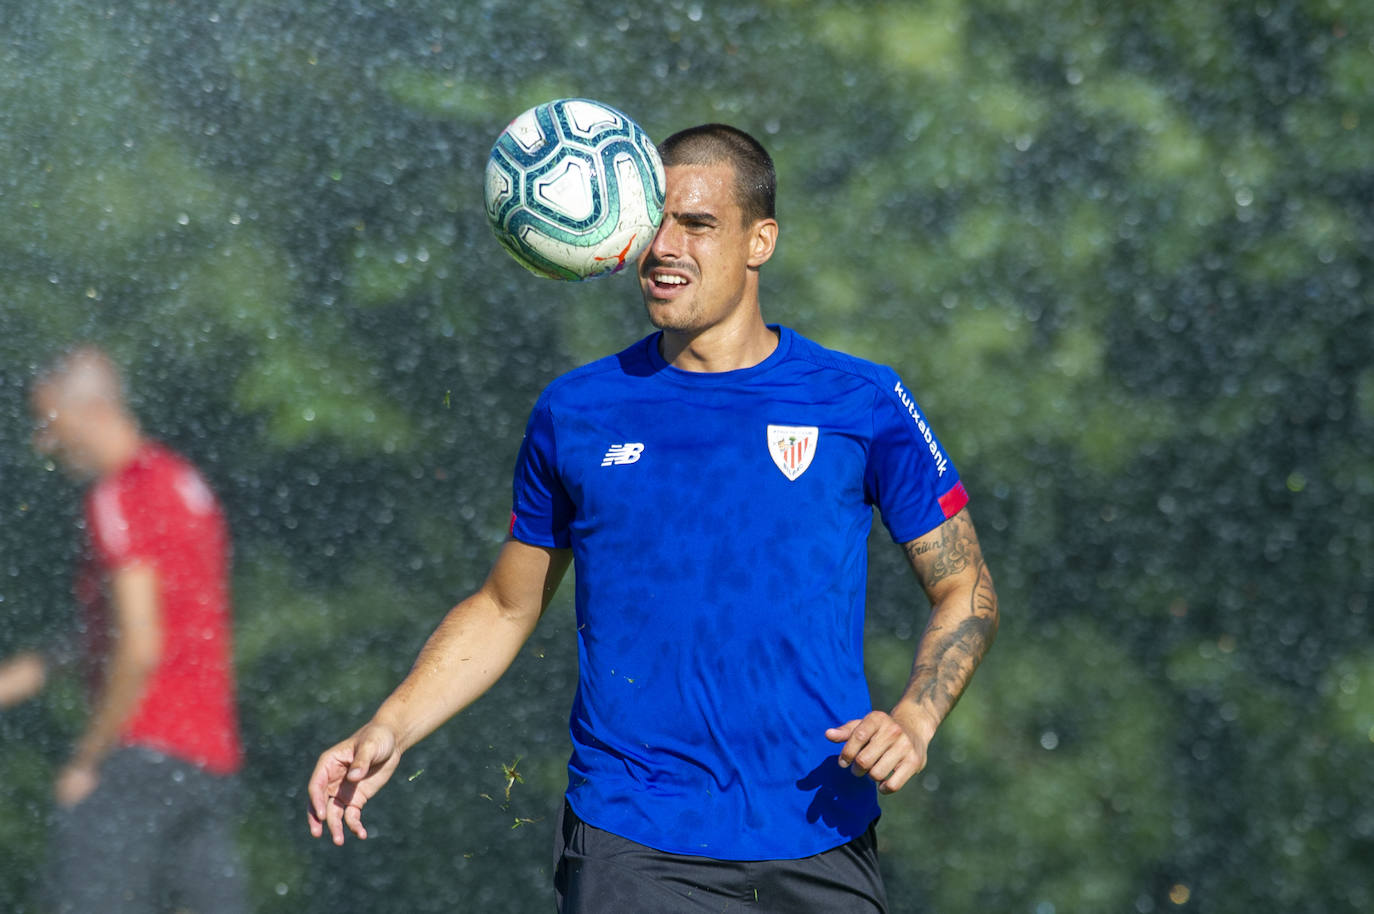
75,469
668,325
665,315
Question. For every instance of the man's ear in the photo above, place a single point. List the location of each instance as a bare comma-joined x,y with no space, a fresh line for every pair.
762,241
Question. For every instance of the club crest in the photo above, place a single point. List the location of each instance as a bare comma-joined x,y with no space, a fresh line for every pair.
792,447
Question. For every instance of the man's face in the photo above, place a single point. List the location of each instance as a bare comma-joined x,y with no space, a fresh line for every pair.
60,433
693,276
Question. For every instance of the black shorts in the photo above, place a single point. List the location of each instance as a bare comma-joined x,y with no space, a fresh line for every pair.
155,835
601,873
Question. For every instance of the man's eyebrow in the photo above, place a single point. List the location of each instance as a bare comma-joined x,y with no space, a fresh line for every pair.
705,217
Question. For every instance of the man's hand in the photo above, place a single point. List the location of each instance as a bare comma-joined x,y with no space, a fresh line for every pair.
75,783
891,748
886,750
473,645
346,777
21,677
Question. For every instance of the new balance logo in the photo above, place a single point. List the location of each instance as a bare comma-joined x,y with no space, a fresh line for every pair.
621,454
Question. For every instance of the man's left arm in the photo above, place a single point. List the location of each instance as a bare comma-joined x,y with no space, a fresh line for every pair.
134,655
890,747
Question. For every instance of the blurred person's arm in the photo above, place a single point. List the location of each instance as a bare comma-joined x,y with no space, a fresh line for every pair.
25,673
22,676
468,652
135,651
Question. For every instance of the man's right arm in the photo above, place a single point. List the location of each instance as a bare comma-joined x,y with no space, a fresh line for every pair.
474,644
21,677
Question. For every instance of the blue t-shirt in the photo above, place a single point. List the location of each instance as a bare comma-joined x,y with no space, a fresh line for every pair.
719,526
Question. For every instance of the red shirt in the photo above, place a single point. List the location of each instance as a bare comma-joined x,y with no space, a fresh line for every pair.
159,511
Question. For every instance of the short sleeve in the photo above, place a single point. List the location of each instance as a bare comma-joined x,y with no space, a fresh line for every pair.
541,512
909,476
109,522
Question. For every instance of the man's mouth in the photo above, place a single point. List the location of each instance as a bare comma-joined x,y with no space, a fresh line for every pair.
666,282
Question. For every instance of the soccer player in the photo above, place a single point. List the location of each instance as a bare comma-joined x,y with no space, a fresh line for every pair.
140,825
714,485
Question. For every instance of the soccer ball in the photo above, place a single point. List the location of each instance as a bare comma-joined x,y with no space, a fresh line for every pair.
574,189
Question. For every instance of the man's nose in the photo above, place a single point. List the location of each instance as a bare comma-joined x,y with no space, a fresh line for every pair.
667,243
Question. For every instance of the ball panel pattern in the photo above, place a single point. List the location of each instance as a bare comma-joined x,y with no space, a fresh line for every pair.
574,189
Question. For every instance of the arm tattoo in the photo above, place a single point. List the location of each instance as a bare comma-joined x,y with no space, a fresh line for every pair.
964,615
946,658
948,553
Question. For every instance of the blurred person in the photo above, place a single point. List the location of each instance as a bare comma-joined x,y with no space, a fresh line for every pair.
139,824
713,486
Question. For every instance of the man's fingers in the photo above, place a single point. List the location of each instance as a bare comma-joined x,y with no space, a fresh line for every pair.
345,777
892,762
315,790
880,748
353,818
317,810
897,779
841,733
314,810
346,812
323,783
362,761
868,740
373,751
339,807
334,819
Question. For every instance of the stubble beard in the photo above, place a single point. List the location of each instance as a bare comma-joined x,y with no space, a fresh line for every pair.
674,321
673,315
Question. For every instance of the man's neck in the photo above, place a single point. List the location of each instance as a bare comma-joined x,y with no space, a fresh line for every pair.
123,444
720,348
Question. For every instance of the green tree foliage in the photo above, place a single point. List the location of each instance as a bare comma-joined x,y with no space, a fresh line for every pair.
1119,251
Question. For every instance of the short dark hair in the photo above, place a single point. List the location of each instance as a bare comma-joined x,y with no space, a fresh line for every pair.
756,183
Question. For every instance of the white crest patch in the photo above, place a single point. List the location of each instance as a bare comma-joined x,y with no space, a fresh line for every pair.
792,447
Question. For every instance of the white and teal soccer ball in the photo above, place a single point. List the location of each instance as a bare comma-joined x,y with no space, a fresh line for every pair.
574,189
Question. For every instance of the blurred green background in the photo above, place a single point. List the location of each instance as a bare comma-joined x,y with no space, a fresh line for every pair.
1120,252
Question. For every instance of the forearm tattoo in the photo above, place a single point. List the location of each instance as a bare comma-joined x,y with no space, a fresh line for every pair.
964,619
